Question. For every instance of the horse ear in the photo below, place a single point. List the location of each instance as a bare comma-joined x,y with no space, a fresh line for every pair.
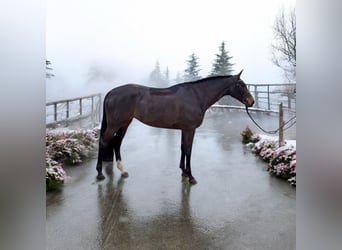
238,75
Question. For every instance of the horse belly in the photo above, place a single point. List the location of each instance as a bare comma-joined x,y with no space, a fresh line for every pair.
158,116
168,113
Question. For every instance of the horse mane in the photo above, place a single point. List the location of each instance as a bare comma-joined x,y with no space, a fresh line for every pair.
209,78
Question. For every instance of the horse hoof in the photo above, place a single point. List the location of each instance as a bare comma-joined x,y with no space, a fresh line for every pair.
184,175
124,174
192,181
100,177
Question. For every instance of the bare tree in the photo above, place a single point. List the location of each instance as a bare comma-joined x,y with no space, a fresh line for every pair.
284,46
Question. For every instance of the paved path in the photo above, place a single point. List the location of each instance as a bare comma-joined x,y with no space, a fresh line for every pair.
235,205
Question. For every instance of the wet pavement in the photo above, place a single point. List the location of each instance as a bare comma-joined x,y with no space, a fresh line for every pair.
235,205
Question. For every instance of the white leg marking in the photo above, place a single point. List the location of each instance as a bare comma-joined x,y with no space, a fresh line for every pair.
119,166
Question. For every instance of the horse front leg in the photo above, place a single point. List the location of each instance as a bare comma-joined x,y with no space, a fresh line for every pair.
187,140
192,179
182,161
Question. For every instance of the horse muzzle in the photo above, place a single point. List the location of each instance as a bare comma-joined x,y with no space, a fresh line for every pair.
248,101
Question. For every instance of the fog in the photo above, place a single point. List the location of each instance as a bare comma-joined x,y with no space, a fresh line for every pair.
96,45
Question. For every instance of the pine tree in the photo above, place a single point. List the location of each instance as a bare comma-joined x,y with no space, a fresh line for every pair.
155,76
191,72
167,76
158,78
222,65
178,78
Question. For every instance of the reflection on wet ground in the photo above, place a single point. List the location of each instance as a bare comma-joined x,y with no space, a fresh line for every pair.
235,205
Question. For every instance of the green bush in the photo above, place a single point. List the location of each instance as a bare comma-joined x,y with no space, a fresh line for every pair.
248,136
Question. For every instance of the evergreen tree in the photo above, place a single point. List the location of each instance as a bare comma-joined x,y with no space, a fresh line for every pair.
167,77
178,78
158,78
222,65
155,76
191,72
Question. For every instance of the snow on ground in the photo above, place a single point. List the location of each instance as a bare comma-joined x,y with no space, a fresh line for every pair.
291,144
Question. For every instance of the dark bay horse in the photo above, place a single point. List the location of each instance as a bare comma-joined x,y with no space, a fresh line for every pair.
181,106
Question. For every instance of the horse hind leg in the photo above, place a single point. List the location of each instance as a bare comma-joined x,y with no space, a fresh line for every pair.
108,154
117,145
104,148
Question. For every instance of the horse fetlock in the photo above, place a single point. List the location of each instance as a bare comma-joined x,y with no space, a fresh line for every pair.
124,174
120,167
192,181
100,176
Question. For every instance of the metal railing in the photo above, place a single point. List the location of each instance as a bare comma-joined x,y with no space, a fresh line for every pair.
267,98
68,110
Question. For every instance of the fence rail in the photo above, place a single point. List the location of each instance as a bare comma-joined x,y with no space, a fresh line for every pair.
68,110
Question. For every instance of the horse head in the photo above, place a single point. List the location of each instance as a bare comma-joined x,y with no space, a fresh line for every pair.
240,91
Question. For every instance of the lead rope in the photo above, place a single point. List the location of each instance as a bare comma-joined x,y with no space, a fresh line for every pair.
272,131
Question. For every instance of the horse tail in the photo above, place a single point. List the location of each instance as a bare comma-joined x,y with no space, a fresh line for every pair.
107,149
104,119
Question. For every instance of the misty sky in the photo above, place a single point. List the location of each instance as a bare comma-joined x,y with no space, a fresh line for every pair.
124,39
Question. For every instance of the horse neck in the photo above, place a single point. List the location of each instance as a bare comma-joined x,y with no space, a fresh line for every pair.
211,91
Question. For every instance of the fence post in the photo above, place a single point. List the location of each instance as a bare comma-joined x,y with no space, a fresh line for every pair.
55,111
92,111
289,101
67,111
268,98
281,124
92,104
80,106
99,107
256,96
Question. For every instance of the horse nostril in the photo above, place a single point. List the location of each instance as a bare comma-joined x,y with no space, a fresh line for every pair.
249,101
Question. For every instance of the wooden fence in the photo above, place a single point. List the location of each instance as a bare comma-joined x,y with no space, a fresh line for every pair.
69,110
